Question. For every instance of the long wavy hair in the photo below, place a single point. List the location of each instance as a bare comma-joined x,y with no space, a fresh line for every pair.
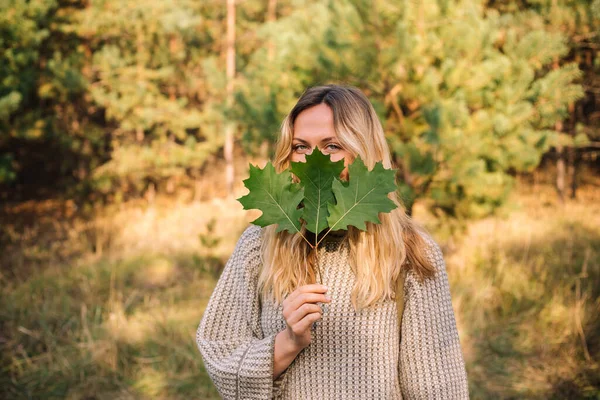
376,255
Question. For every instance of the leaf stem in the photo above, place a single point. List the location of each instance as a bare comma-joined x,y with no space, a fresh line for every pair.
318,268
320,240
306,240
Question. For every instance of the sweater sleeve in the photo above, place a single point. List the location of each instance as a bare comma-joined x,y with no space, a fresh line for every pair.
236,354
431,360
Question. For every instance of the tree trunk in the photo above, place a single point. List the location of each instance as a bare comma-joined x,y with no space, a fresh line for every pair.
265,146
230,126
271,17
572,170
536,180
560,168
572,151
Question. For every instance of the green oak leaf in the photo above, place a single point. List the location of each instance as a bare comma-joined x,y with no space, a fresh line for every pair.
316,176
363,198
276,196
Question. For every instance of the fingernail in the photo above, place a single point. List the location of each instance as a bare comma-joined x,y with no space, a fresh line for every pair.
328,298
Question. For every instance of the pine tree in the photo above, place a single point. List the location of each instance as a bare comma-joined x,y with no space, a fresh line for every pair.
578,21
155,73
41,96
465,93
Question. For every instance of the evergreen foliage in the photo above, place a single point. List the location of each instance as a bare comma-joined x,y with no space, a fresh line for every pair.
148,72
464,91
41,88
469,92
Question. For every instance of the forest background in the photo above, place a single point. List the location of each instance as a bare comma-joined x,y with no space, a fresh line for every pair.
126,129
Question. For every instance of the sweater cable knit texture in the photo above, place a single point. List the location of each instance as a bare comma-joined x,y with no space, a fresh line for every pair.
353,355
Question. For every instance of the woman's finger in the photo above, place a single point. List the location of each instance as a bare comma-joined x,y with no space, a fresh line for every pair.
305,309
308,298
305,323
312,288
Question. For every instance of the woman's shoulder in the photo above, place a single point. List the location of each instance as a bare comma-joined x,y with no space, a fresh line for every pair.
252,233
246,256
249,242
432,249
434,255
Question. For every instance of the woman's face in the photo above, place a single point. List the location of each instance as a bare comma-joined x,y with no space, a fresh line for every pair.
313,127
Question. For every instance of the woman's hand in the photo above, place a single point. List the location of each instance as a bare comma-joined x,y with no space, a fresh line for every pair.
301,311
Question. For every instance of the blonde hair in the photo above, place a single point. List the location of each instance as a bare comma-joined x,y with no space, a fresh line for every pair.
383,249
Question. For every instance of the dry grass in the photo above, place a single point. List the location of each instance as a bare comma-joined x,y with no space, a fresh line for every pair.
526,289
107,308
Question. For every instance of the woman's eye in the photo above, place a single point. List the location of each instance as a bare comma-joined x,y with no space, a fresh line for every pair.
300,148
328,149
332,148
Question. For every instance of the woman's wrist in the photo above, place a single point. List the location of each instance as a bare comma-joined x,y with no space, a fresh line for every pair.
289,346
285,352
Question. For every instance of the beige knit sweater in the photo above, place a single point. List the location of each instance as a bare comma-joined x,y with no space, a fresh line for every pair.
351,356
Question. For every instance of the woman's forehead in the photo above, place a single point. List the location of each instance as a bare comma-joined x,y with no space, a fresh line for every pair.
315,124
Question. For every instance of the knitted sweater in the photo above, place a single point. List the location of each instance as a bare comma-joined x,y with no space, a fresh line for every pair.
351,356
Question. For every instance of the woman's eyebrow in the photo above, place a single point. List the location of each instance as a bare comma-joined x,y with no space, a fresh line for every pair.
300,140
328,139
322,140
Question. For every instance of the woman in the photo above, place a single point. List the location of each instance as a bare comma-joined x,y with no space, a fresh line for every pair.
264,334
